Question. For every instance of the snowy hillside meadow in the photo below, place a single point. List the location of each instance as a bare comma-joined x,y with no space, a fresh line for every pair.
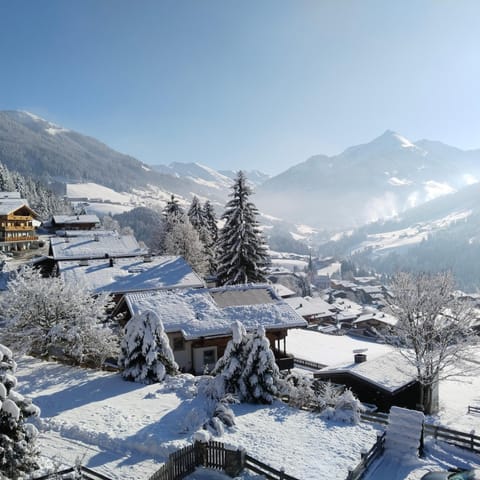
126,430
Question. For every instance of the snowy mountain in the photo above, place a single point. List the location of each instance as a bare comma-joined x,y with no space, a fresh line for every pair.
368,182
208,177
442,234
38,148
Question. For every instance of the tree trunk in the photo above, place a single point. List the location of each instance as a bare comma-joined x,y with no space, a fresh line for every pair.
429,398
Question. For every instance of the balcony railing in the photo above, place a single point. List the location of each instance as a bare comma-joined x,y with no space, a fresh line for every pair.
18,228
19,239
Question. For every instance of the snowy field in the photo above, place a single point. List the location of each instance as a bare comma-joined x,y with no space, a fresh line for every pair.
126,430
96,191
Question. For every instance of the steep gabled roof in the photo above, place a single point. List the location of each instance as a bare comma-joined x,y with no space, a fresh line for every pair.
11,205
195,313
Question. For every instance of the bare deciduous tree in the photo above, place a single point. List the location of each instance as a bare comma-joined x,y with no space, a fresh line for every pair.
434,330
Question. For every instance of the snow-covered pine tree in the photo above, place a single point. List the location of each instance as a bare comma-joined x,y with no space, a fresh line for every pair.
172,208
146,355
18,450
230,366
243,256
210,220
195,214
260,376
200,222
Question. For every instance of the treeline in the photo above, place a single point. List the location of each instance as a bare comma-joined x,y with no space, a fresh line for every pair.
42,200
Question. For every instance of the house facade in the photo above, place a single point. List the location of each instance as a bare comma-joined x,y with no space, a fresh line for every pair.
74,222
17,230
198,322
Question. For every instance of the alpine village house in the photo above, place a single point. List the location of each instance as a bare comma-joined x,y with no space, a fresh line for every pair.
17,231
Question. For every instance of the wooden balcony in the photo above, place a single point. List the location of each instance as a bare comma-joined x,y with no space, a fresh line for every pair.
284,361
17,228
30,238
20,218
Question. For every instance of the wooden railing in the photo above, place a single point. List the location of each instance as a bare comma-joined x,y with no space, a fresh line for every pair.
470,441
215,456
465,440
367,458
18,239
265,470
17,228
472,409
309,364
84,472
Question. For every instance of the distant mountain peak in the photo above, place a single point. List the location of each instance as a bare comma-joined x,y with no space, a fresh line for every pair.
391,138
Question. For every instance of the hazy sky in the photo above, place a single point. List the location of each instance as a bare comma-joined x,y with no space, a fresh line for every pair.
248,83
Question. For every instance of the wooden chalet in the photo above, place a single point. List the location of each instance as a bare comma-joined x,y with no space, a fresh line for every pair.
74,222
384,381
198,321
17,229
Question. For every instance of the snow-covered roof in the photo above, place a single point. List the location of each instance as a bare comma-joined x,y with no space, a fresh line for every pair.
10,195
378,316
131,274
347,307
9,205
390,372
282,290
95,246
195,312
307,306
75,219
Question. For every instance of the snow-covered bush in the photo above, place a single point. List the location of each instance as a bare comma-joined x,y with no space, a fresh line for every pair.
46,316
347,408
299,389
18,451
146,355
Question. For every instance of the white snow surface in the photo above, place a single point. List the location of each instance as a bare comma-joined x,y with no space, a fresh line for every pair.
410,235
125,430
330,349
95,246
195,313
131,274
96,191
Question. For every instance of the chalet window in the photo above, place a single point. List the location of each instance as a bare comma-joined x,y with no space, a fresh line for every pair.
178,343
209,356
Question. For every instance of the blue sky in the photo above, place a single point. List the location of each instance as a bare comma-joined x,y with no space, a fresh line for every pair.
244,84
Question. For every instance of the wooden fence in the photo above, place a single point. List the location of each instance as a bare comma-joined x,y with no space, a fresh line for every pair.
216,456
466,440
472,409
307,363
367,458
265,470
470,441
86,474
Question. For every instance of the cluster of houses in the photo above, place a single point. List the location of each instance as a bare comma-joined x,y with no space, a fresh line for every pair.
197,318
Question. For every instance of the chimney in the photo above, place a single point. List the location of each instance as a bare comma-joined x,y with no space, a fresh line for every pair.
360,355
